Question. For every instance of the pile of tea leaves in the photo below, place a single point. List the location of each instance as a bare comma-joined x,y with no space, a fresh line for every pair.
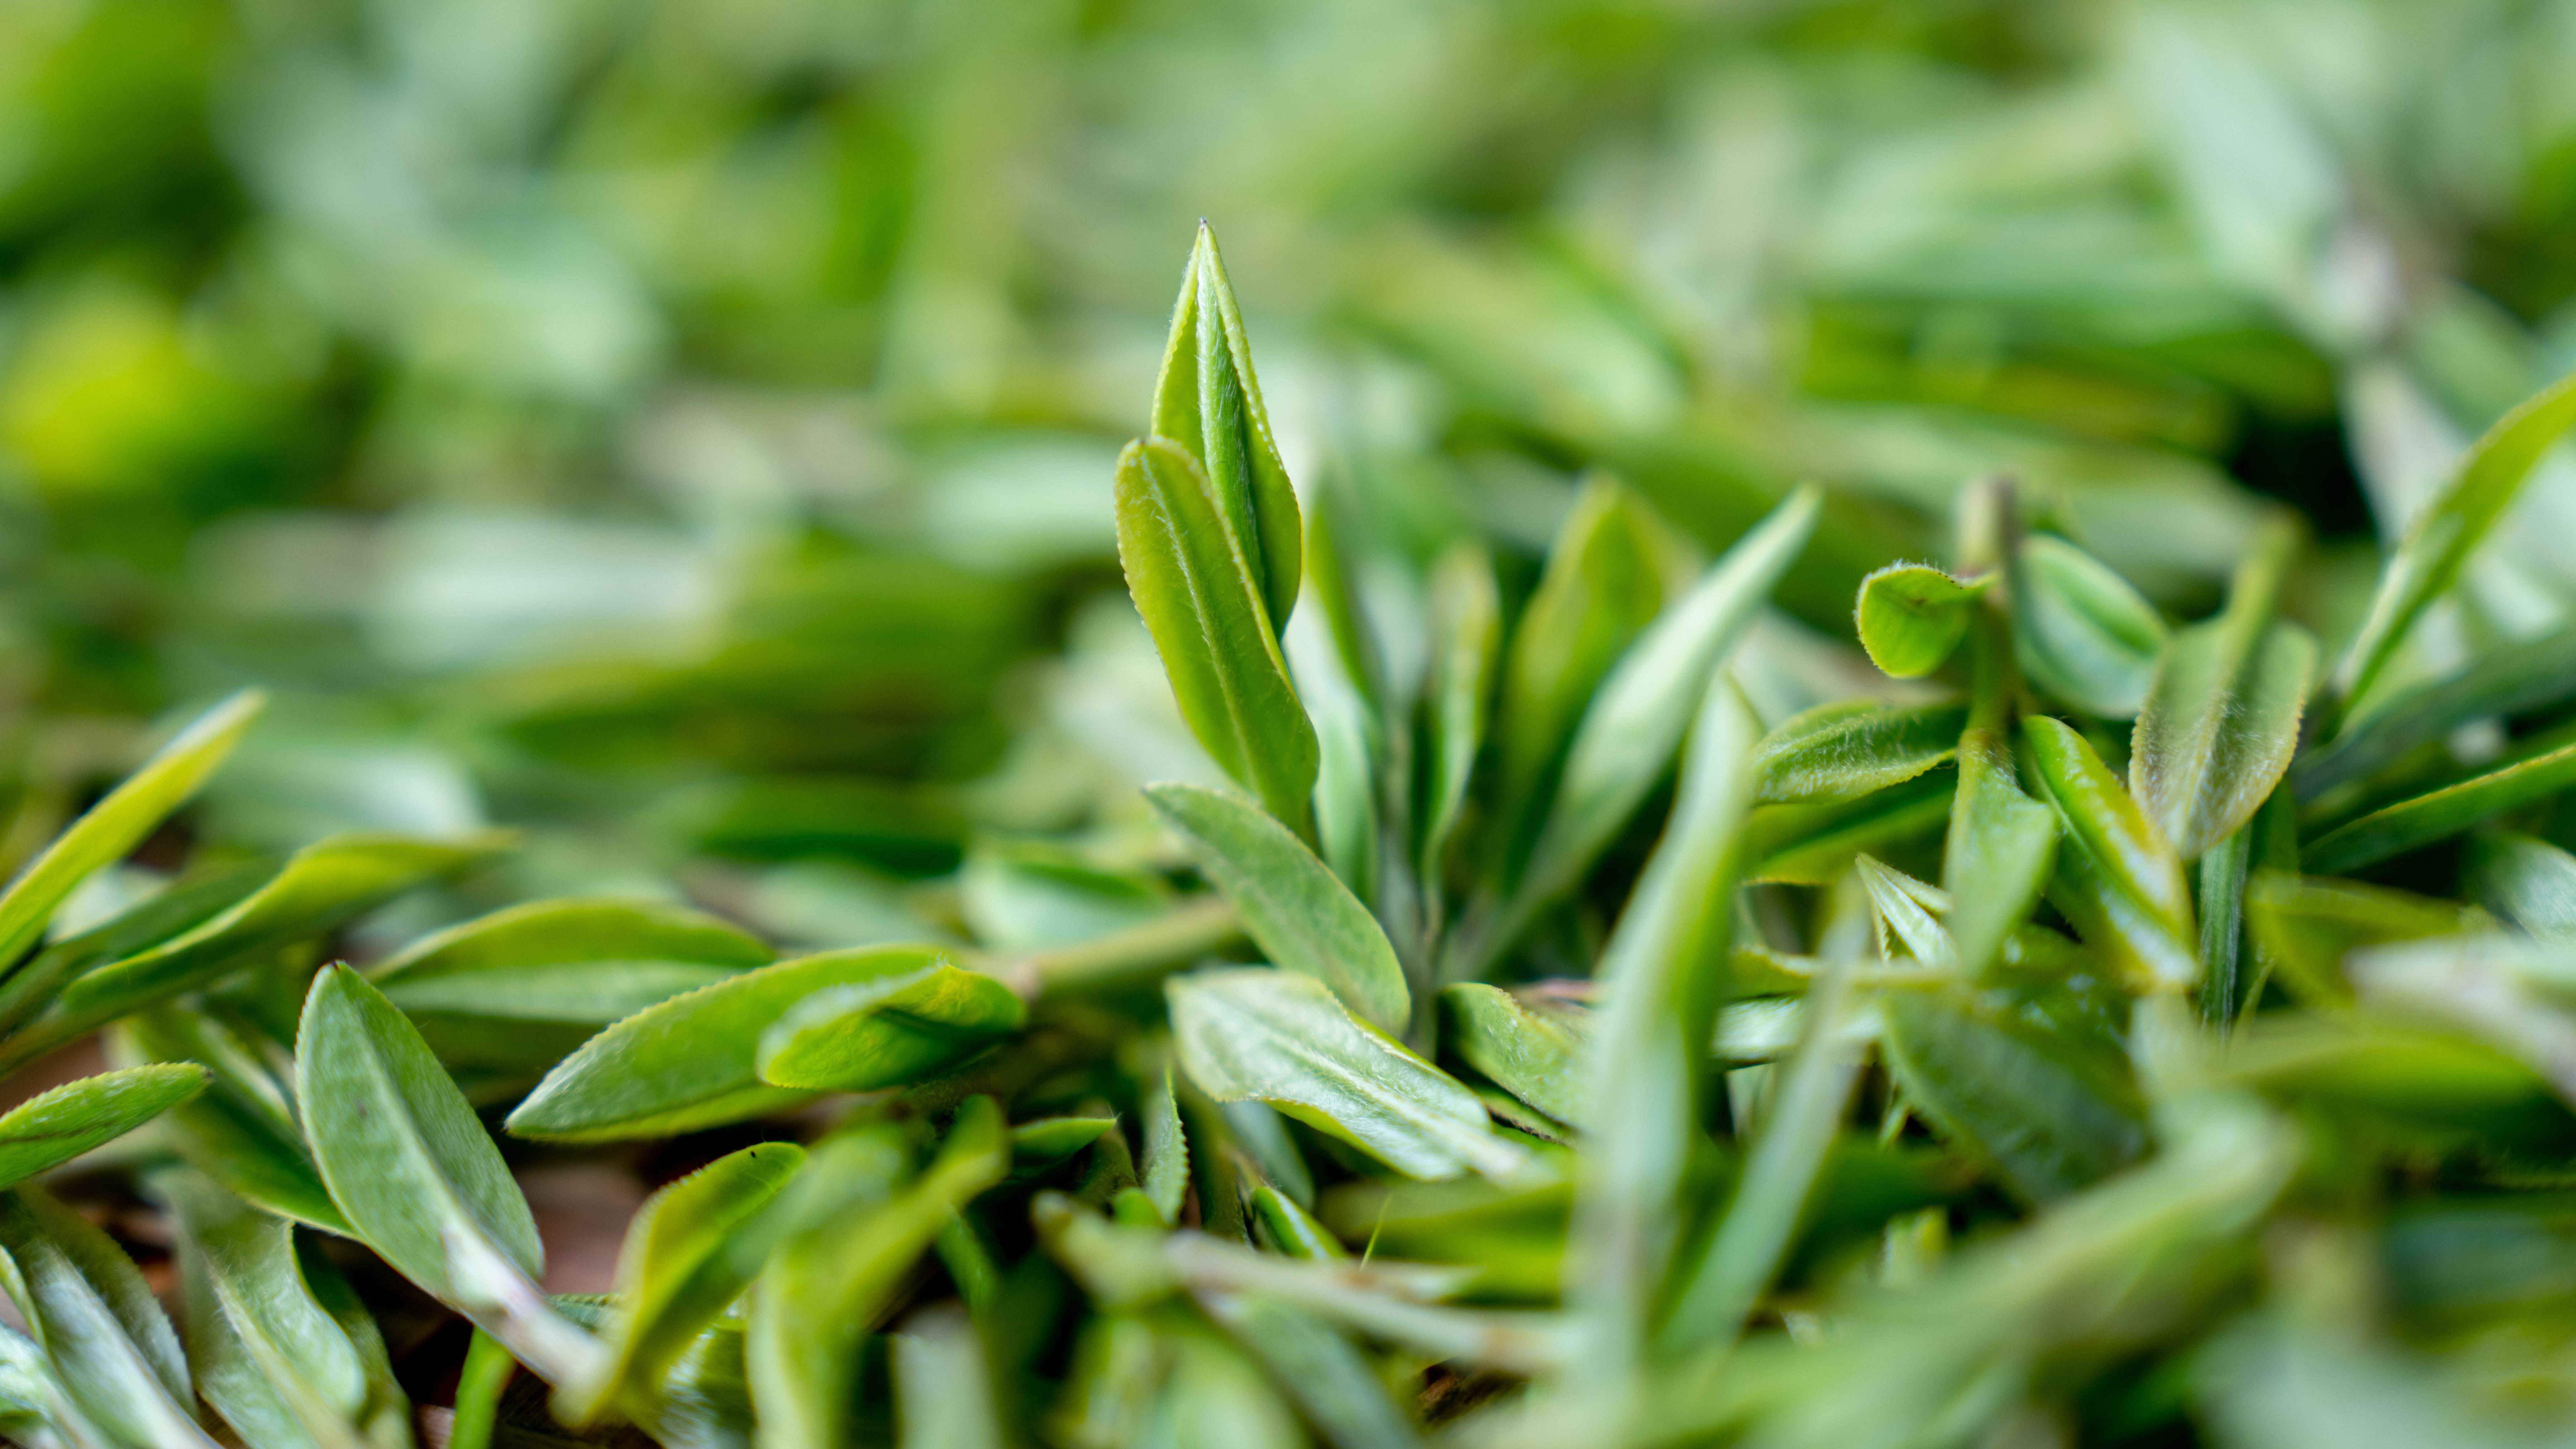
1575,1005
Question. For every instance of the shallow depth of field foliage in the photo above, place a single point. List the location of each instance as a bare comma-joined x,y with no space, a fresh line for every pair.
1803,724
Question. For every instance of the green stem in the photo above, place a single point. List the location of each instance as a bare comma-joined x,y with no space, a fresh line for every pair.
1138,956
488,1369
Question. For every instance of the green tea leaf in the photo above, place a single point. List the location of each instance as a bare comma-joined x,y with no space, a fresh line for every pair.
2302,928
242,1132
1606,579
184,905
2512,678
1635,725
2449,527
1281,1038
1301,916
318,888
1318,1367
2222,718
111,1348
268,1355
1208,401
1466,625
832,1276
411,1169
2079,630
2123,846
689,1254
2048,1120
1998,852
887,1031
1529,1051
115,825
1911,617
1853,748
53,1127
692,1061
2528,883
1220,650
520,988
2440,814
1815,844
1164,1171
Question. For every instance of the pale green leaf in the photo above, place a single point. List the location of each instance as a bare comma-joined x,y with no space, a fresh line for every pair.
1911,617
1852,748
2079,630
1530,1051
887,1031
53,1127
1294,908
242,1131
112,1350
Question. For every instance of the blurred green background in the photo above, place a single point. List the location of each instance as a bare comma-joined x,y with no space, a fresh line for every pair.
682,429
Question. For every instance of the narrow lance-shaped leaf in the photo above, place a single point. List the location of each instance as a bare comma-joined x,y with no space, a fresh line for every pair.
1208,401
2000,842
888,1031
1911,617
410,1167
118,823
2105,823
1605,581
2449,528
54,1127
1664,975
1202,604
111,1348
2440,814
2079,630
2530,883
1466,616
833,1278
691,1251
1532,1053
317,888
242,1131
2222,718
1164,1171
268,1354
2516,677
692,1061
1295,910
1852,748
1281,1038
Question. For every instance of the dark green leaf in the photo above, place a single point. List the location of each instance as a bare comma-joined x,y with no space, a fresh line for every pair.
2512,678
2440,814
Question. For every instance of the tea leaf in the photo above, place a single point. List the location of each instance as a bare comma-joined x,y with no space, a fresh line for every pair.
411,1169
2122,845
2079,630
1467,635
1911,617
2047,1121
1281,1038
1220,650
887,1031
689,1254
54,1127
691,1061
1208,401
1321,1369
280,1366
1635,725
2440,814
118,823
111,1348
1532,1053
832,1275
2515,677
2526,882
1165,1174
1852,748
1998,851
524,986
2449,527
242,1131
1301,916
319,887
2222,718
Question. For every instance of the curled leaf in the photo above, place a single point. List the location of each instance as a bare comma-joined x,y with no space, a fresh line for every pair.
1911,617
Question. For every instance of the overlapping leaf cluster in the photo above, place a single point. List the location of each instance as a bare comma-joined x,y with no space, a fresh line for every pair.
1529,1043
